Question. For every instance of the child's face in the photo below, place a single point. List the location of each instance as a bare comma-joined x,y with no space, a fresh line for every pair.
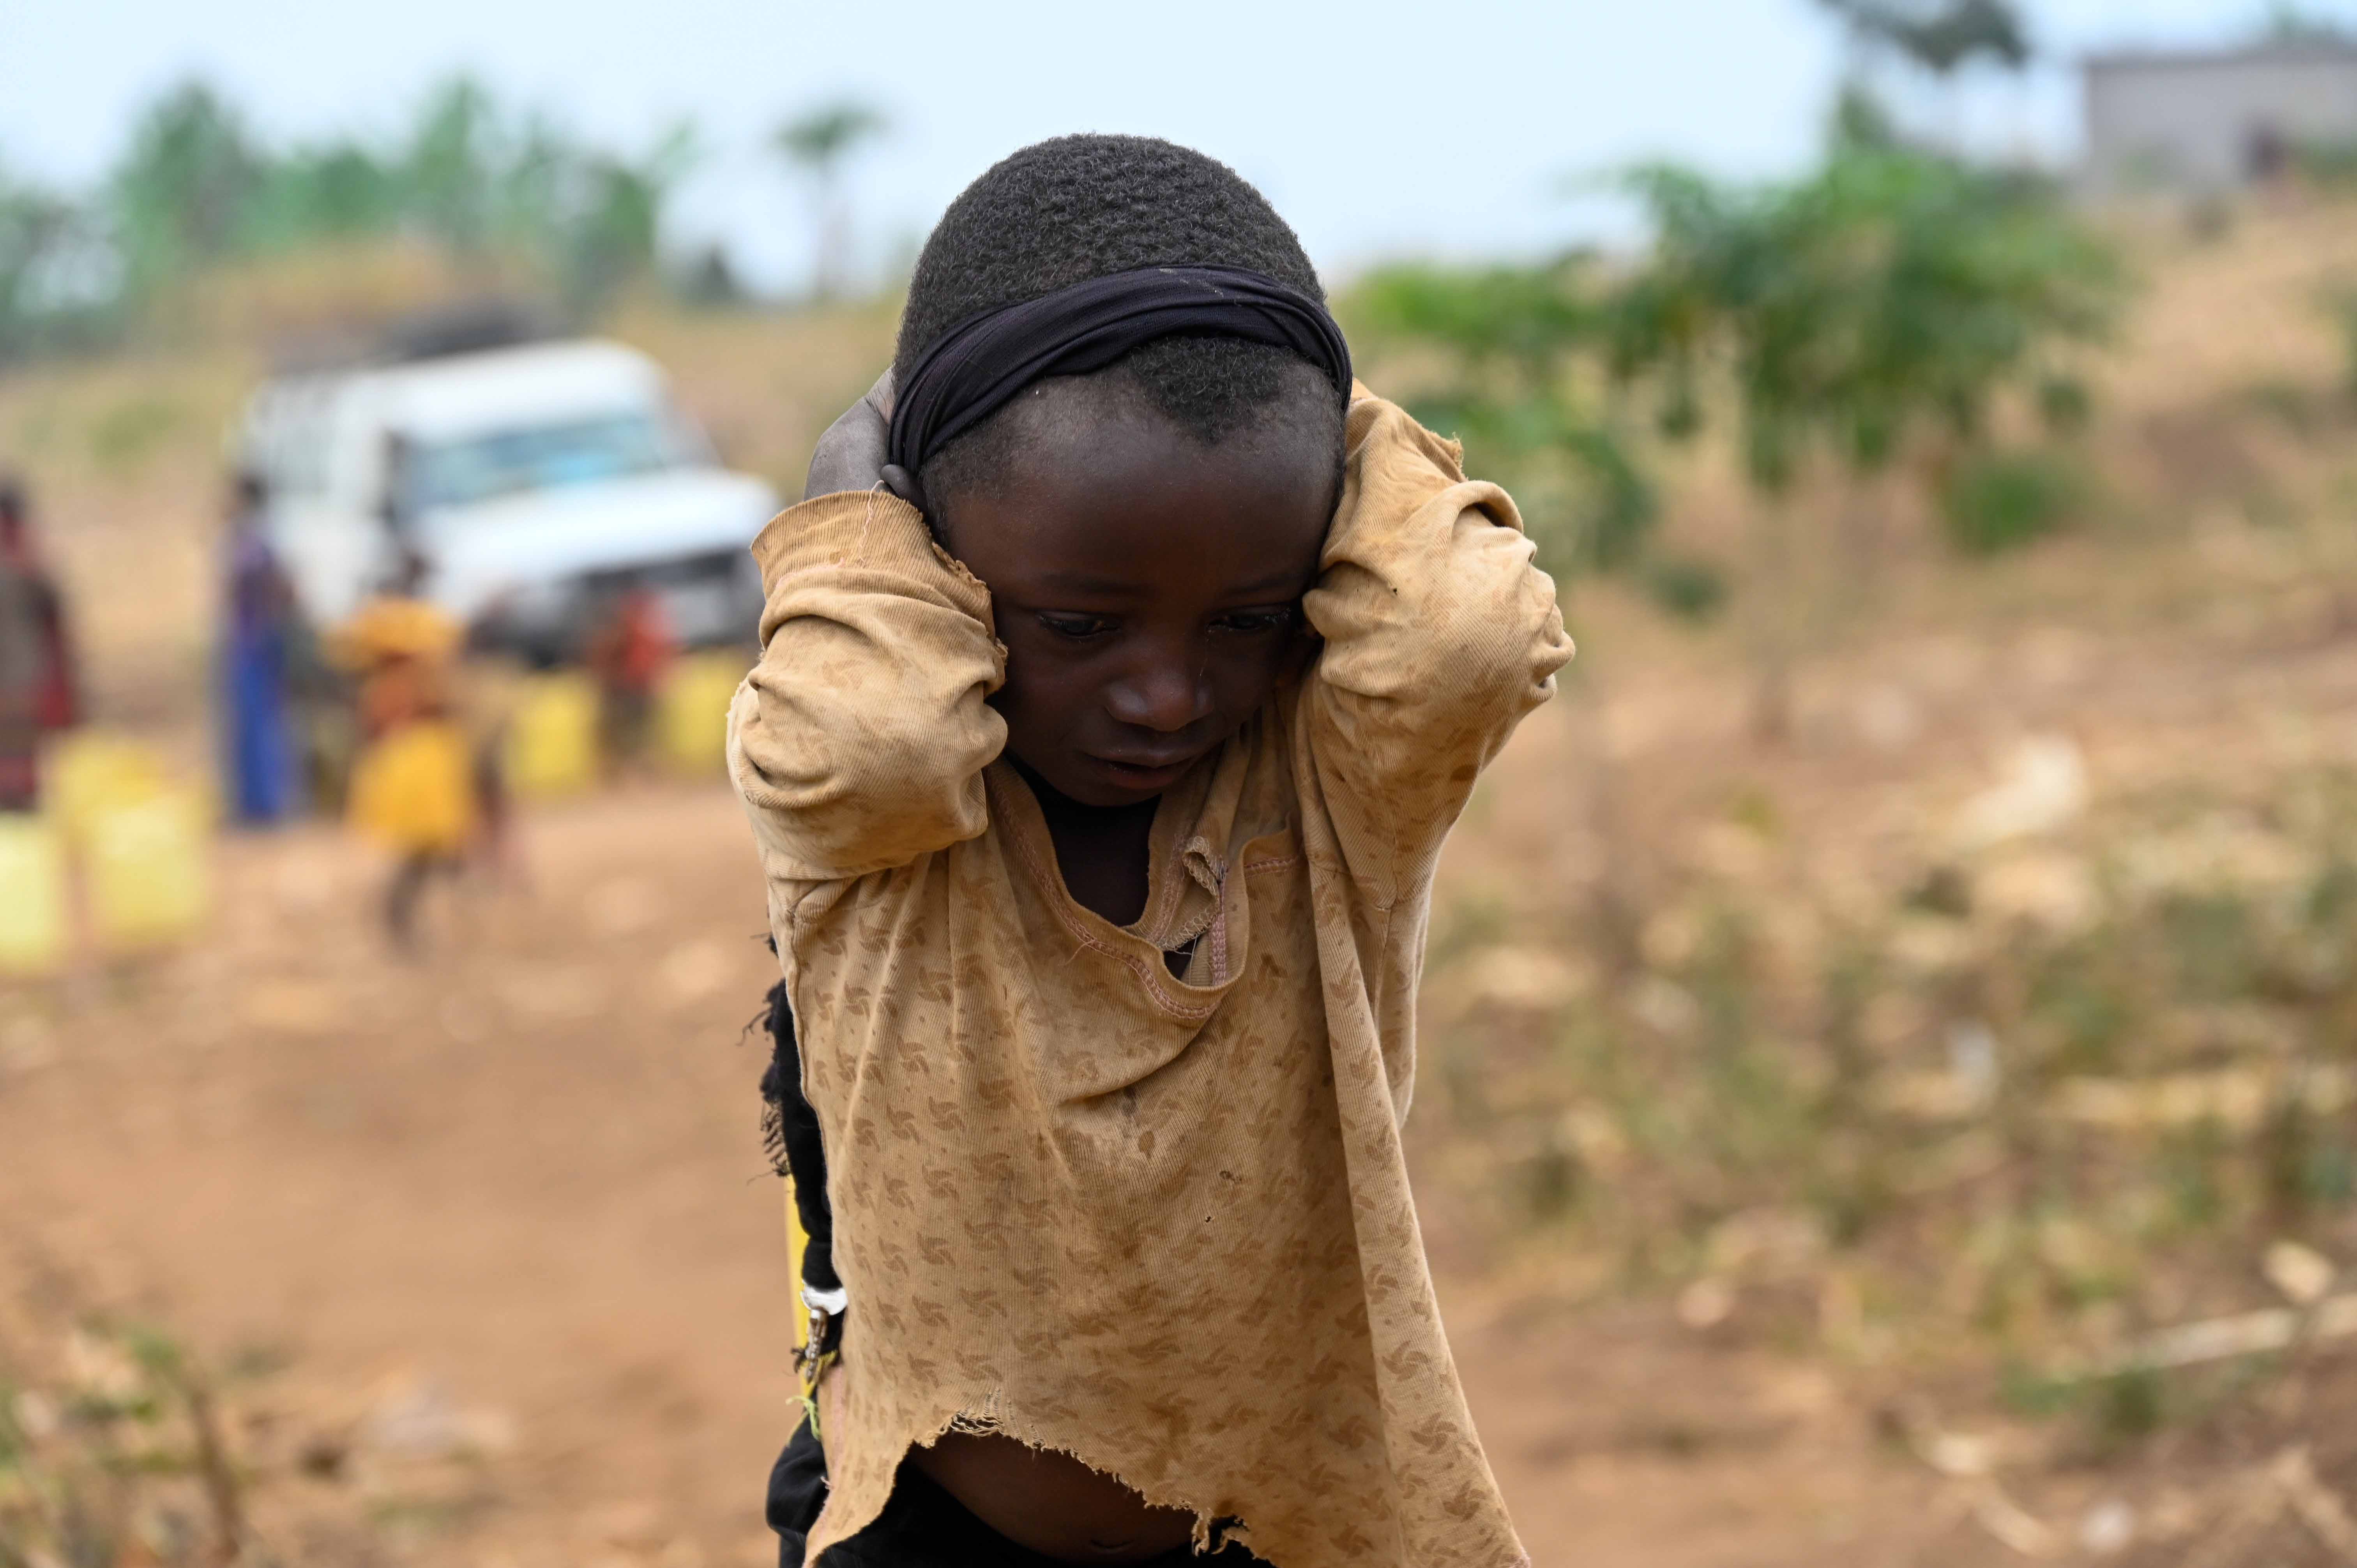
1147,588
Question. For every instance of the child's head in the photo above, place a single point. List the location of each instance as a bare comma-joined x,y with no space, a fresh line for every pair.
249,495
410,571
1147,529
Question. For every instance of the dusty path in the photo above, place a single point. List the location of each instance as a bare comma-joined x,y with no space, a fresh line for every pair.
520,1184
522,1180
525,1173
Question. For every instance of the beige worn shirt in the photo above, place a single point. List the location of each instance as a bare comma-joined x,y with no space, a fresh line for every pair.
1159,1223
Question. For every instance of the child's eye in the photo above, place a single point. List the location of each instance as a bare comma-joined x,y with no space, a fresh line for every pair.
1075,625
1250,621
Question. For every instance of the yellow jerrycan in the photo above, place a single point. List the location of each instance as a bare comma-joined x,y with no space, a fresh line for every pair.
90,772
692,712
551,739
145,864
33,917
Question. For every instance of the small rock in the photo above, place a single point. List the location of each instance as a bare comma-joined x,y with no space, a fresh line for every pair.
35,1414
2044,788
1959,1454
2302,1274
2109,1527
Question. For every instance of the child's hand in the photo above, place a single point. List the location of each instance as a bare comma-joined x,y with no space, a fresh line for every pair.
850,456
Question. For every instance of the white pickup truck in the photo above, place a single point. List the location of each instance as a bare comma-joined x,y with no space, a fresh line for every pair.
535,479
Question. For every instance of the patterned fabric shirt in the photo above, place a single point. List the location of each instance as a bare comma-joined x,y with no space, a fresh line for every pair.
1160,1223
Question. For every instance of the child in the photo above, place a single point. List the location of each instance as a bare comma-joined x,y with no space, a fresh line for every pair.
413,784
1098,769
629,653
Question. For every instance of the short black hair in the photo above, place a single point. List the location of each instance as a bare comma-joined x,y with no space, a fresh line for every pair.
1074,208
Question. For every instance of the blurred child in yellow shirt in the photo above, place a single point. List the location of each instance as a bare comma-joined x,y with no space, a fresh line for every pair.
413,786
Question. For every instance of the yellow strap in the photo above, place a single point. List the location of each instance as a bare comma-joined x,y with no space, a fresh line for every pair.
812,1368
796,1242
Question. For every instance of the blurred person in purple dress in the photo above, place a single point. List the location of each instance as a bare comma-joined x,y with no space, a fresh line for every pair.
261,627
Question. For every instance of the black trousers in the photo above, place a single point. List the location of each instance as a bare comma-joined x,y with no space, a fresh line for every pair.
921,1527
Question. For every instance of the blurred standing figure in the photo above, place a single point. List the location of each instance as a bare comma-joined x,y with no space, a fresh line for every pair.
413,787
38,690
630,654
262,628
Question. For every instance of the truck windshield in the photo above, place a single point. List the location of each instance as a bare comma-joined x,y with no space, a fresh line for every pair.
541,456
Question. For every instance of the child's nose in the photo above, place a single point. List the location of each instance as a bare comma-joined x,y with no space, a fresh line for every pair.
1165,696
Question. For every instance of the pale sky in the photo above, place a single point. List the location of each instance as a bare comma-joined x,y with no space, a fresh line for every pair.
1379,129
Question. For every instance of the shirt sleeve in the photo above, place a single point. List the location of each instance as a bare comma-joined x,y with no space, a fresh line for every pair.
858,741
1440,634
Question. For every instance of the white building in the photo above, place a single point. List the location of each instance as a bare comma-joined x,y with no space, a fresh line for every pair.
2209,121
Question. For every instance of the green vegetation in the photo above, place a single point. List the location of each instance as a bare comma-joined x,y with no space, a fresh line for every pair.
2103,1069
196,189
1874,312
1996,501
122,1457
817,143
121,1448
1938,36
1880,319
1515,384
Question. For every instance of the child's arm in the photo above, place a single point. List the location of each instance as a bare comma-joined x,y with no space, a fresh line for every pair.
1440,634
858,741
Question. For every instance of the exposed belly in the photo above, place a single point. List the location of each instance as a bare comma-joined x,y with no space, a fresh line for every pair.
1051,1503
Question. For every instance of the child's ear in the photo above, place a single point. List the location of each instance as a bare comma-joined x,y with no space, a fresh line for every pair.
902,483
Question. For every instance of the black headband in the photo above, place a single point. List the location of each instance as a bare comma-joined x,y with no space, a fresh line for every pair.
971,371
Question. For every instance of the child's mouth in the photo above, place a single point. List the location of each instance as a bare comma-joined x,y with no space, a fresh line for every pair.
1142,774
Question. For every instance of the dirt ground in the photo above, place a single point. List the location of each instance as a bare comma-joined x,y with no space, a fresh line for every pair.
499,1225
488,1240
520,1184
